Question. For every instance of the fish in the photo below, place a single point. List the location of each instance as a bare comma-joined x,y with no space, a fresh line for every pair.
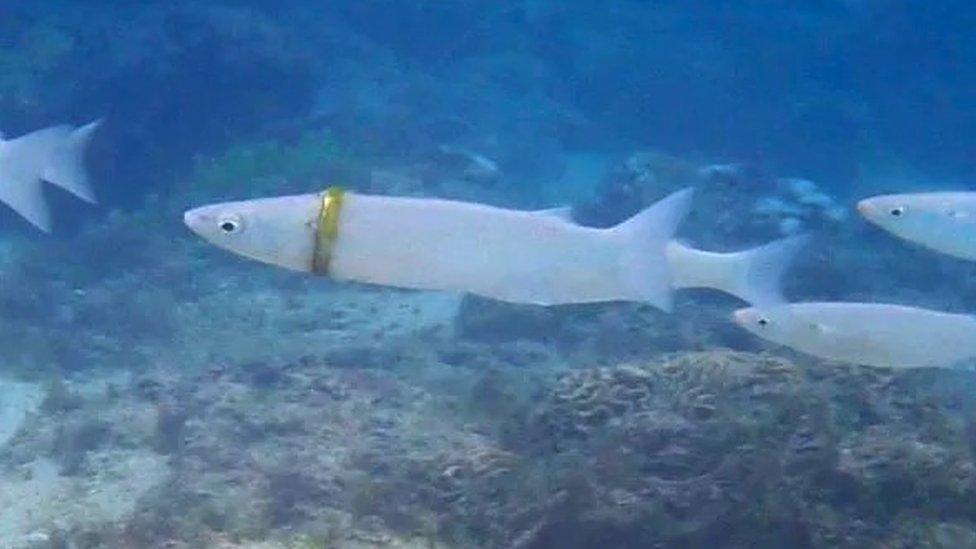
55,155
870,334
532,257
941,221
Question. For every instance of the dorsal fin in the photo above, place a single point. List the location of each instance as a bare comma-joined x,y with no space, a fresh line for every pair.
562,212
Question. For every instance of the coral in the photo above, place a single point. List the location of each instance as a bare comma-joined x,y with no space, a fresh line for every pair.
697,442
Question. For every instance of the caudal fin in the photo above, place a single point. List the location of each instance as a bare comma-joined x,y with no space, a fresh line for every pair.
66,167
26,197
752,275
643,266
22,161
54,154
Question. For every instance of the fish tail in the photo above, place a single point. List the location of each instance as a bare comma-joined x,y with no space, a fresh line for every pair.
22,164
26,197
66,167
753,275
643,266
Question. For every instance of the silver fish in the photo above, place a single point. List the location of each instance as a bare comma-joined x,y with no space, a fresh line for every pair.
873,334
539,257
941,221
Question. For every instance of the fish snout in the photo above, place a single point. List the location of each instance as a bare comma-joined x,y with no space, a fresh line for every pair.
742,317
191,218
863,207
867,208
196,218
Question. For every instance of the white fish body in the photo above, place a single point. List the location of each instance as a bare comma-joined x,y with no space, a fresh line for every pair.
504,254
942,221
873,334
510,255
52,154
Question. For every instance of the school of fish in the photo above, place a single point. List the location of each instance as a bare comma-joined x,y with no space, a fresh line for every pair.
544,257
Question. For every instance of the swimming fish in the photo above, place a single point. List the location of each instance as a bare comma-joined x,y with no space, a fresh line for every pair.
942,221
873,334
539,257
54,154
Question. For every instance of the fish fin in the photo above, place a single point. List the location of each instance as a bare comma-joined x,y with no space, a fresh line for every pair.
562,212
22,161
643,264
25,195
751,275
66,168
756,274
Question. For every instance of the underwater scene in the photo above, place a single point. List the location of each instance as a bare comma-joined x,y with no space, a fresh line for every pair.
531,274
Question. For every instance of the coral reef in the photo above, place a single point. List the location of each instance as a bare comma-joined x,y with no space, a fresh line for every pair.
696,448
708,448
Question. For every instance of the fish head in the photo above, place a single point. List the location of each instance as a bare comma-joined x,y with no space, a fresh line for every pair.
279,231
754,320
777,323
797,325
930,219
889,210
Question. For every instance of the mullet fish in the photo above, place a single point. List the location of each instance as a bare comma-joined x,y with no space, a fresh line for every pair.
538,257
872,334
941,221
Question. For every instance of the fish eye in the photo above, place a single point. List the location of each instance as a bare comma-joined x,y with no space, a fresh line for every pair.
229,225
897,211
763,321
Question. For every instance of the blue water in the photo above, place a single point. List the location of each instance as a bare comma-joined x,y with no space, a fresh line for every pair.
156,391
